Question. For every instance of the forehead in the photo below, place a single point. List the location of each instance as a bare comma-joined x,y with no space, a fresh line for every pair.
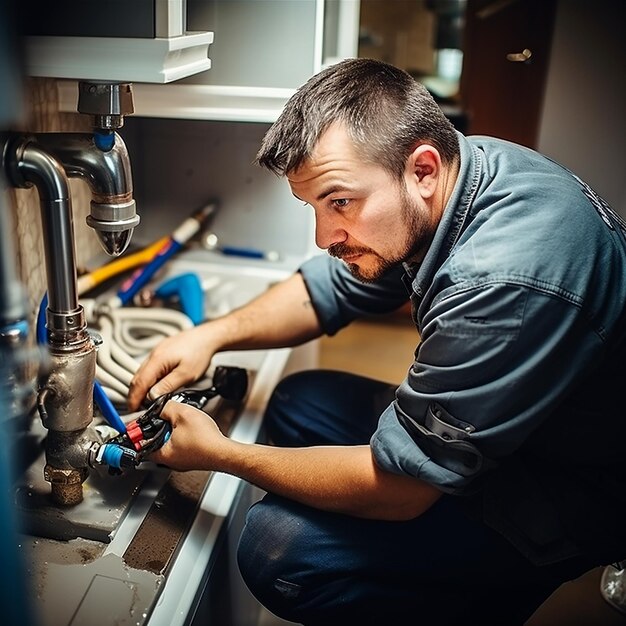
334,155
336,164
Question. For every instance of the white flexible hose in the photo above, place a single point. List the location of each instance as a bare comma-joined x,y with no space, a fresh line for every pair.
116,397
104,358
170,316
127,336
108,380
128,332
123,358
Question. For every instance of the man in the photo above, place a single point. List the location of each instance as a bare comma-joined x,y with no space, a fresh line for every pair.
496,470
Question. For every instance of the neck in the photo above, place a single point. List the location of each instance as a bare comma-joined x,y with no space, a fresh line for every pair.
448,180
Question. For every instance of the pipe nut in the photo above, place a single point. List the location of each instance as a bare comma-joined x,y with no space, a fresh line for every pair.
123,211
114,224
67,484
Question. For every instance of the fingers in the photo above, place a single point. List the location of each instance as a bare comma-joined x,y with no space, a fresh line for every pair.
172,411
138,389
170,366
173,381
143,382
189,443
169,413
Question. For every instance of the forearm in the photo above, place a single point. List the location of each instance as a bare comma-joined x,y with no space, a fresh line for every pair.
341,479
282,316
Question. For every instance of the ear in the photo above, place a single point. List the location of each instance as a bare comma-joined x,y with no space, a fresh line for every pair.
423,169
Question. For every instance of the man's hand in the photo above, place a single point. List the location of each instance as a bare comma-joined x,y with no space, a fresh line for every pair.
175,362
195,441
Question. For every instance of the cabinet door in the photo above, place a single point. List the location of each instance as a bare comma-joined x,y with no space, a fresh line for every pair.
103,18
258,43
111,40
507,48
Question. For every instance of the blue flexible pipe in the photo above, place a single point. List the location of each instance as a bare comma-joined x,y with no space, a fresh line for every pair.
107,409
190,294
42,331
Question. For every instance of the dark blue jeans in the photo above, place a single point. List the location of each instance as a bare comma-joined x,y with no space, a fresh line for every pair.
318,568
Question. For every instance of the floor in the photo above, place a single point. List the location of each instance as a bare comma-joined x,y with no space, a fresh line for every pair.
380,348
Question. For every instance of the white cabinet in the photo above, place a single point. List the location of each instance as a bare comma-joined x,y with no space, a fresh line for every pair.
263,50
151,60
109,40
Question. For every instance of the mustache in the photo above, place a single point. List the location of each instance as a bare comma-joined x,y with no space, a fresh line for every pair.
340,250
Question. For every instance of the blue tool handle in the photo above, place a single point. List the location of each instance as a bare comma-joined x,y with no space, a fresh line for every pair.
249,253
140,278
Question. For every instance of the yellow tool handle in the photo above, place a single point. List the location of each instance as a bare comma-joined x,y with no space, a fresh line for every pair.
97,276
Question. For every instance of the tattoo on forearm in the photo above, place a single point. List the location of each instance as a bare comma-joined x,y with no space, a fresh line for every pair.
307,304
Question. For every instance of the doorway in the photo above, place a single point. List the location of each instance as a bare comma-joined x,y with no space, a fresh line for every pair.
484,61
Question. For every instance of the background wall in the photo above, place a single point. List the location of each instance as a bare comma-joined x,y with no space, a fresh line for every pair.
179,165
583,124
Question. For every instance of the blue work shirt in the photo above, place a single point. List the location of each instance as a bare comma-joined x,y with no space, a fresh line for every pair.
515,399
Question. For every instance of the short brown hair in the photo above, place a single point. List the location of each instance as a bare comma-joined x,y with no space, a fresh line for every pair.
386,112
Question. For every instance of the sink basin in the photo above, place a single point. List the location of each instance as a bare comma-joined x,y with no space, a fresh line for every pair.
83,575
227,286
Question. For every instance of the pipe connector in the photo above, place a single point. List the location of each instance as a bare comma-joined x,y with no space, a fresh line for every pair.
66,484
106,102
106,169
67,464
114,223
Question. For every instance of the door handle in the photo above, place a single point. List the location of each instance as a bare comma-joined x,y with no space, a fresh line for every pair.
493,8
519,57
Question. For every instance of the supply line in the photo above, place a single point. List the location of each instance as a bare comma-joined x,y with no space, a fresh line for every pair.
163,248
88,281
128,332
176,241
106,407
184,288
210,241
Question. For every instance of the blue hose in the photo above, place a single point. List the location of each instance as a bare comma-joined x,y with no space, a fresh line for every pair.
188,288
105,405
142,276
107,409
41,330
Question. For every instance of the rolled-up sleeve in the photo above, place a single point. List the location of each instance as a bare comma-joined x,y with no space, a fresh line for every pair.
494,361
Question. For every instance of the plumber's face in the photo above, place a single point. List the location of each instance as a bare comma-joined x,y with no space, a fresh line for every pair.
363,215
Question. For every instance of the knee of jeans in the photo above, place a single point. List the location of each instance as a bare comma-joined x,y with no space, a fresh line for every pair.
281,409
289,387
268,551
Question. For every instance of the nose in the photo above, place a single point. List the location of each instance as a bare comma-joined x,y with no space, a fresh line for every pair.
328,231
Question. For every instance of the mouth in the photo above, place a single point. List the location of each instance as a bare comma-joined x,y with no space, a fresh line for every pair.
348,254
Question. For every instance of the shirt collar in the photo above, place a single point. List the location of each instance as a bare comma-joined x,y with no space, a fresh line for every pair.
452,221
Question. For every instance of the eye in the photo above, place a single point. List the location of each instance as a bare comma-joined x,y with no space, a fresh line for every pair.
340,203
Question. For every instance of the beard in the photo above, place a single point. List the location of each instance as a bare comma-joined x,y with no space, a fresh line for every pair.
412,246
